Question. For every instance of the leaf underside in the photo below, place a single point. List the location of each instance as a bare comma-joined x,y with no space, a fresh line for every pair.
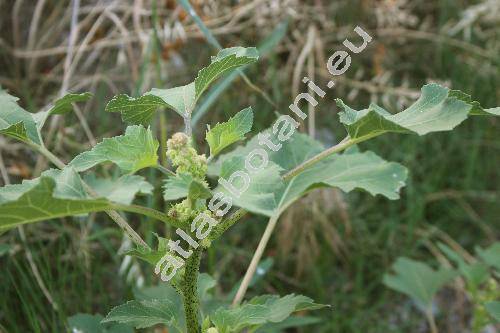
269,195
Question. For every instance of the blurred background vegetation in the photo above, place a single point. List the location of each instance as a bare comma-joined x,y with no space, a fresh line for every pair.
332,247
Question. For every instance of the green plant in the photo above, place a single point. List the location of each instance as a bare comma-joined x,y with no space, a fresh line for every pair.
267,175
421,283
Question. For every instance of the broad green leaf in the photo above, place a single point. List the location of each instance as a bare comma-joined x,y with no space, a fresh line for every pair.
491,255
122,190
86,323
55,194
269,195
264,48
417,280
437,109
184,185
229,132
181,99
135,150
259,311
15,121
136,111
142,314
493,309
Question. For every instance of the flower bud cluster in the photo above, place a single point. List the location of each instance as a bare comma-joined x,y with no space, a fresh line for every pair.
185,157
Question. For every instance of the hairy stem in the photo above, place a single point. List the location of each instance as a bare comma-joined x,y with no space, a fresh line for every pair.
255,260
190,291
146,211
122,223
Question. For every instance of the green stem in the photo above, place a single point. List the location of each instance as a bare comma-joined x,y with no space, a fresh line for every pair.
165,170
190,291
150,212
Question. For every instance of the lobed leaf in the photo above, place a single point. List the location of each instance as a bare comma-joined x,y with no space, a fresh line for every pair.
142,314
437,109
259,311
181,99
417,280
135,150
269,195
138,111
55,194
229,132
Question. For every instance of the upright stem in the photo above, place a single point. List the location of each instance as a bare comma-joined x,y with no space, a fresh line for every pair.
255,260
190,291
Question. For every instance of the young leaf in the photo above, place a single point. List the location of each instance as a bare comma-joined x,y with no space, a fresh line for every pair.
269,195
225,61
62,105
15,121
142,314
259,311
55,194
417,280
121,190
184,185
437,109
86,323
135,150
135,111
229,132
150,255
493,309
181,99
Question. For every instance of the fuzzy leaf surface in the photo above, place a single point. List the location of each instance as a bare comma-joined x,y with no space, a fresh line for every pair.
182,99
136,111
259,311
55,194
437,109
122,190
224,134
87,323
135,150
142,314
184,185
269,195
417,280
15,121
